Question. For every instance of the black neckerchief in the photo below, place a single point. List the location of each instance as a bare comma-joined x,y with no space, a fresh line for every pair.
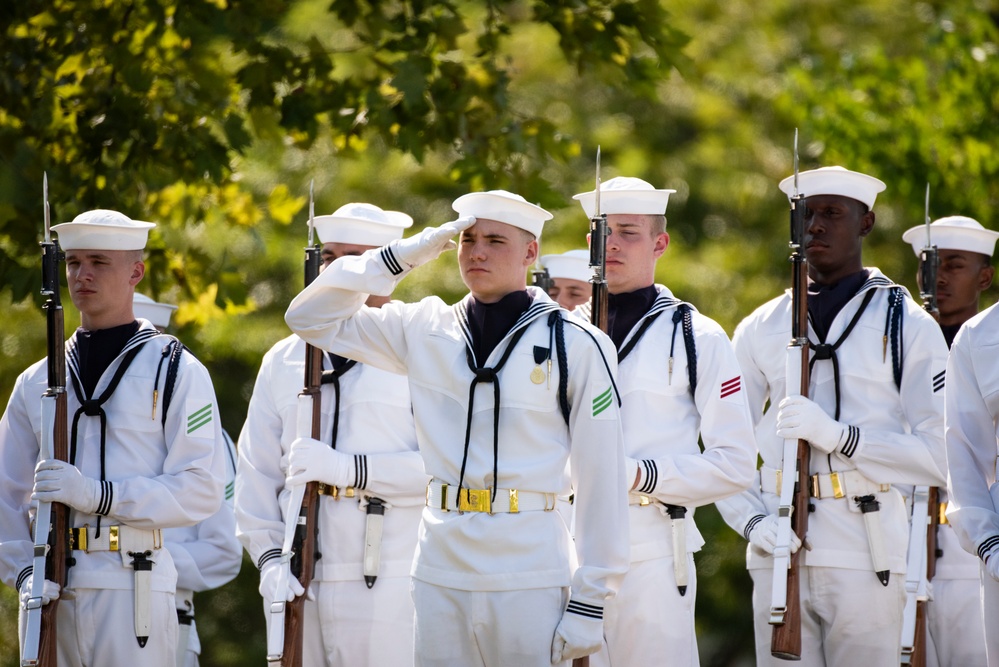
949,331
489,323
624,311
825,301
98,349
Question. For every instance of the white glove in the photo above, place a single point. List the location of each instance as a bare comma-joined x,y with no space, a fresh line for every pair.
311,460
799,418
763,536
576,636
269,583
427,245
59,482
50,591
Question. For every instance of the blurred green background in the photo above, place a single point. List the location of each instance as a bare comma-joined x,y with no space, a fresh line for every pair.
211,117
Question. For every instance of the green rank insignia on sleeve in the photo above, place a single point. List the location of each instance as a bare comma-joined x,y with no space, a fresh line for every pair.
199,418
602,401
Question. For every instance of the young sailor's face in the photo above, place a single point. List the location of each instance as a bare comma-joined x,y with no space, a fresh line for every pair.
493,257
570,293
102,282
835,227
632,251
961,277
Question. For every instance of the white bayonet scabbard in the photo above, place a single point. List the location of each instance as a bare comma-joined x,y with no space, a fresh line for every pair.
915,570
43,521
374,518
788,477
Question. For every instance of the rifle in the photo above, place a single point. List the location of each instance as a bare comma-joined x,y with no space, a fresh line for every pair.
925,499
785,609
929,261
51,519
598,259
541,278
304,502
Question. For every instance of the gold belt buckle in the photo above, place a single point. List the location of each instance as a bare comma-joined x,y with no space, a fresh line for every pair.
112,538
942,518
78,538
816,489
474,500
514,502
836,485
644,500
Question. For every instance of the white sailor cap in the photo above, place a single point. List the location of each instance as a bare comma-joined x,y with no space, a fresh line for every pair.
835,181
505,207
574,265
157,313
955,232
102,229
625,194
362,224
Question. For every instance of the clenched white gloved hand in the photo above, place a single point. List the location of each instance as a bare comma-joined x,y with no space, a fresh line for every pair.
576,636
763,535
425,246
800,418
50,591
311,460
60,482
271,589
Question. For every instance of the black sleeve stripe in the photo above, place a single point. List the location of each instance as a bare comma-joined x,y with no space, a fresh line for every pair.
360,471
985,547
587,610
938,381
651,476
107,495
267,556
752,524
849,448
22,577
391,263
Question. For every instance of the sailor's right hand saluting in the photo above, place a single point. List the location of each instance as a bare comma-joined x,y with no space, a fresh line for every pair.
421,248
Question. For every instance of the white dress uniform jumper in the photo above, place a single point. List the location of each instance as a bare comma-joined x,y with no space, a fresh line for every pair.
494,436
154,474
880,370
679,381
349,622
972,456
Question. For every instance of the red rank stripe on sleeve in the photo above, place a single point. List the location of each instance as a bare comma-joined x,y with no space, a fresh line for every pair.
730,387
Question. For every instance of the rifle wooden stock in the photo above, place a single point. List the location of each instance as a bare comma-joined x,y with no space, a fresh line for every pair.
918,657
785,641
305,545
56,561
303,563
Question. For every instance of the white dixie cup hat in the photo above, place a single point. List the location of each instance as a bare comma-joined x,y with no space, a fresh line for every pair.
157,313
835,181
625,194
103,229
362,224
574,265
954,232
505,207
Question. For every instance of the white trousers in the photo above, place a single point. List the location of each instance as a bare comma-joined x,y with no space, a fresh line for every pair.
847,618
351,624
990,613
648,622
96,628
954,618
489,629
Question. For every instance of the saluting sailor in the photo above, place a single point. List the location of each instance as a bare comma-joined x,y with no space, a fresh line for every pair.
570,274
972,444
873,417
679,380
137,465
509,396
359,611
207,555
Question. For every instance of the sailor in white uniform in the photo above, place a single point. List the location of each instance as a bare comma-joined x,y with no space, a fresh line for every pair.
146,454
515,407
873,418
359,611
